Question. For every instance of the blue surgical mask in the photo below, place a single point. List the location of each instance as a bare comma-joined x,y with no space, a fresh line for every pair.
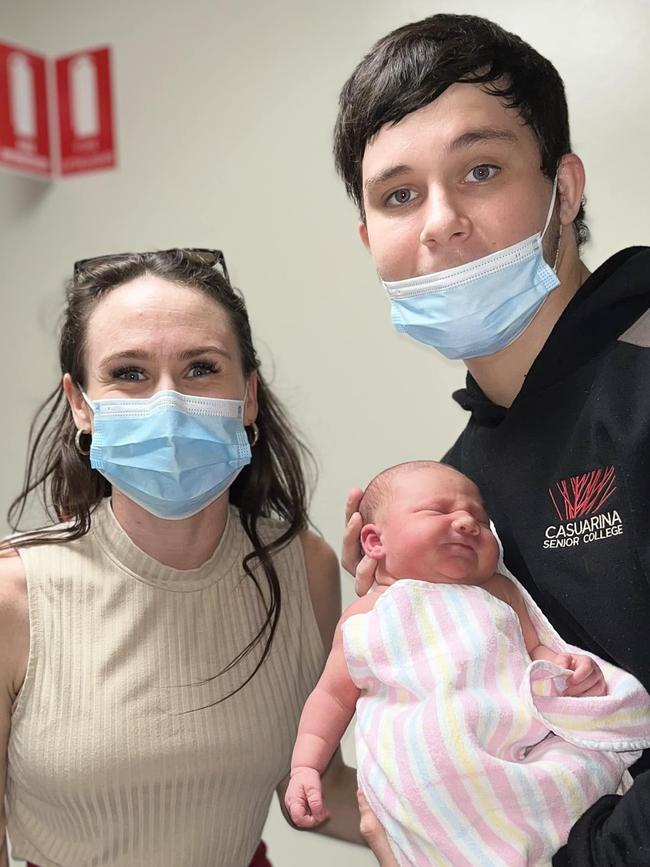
478,308
171,453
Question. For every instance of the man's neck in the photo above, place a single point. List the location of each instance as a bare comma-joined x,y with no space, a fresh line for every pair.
502,375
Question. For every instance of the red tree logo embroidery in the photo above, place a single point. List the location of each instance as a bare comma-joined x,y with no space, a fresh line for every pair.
583,495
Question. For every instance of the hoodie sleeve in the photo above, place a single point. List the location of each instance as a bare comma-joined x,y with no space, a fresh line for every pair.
615,830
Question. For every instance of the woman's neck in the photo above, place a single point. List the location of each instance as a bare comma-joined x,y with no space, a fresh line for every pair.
183,544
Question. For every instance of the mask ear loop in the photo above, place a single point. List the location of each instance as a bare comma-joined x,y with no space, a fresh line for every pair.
550,210
255,431
557,252
548,221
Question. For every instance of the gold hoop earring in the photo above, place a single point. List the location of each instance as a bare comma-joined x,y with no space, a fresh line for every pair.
255,434
77,442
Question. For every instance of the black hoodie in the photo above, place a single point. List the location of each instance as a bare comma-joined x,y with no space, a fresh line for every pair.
565,474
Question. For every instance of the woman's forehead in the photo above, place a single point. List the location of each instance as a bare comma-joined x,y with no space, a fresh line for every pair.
158,312
148,299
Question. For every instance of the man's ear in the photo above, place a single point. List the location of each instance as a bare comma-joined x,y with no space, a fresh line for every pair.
371,542
570,185
363,233
80,411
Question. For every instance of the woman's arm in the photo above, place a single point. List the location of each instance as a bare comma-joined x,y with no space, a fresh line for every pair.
14,650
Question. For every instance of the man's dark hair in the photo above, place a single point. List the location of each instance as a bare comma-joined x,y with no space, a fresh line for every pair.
415,64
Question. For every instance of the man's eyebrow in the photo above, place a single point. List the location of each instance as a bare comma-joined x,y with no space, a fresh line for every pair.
482,134
466,139
386,175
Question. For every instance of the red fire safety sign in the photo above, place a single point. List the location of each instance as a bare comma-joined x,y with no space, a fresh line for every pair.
56,117
24,128
83,85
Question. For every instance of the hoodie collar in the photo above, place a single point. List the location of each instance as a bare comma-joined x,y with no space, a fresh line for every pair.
606,304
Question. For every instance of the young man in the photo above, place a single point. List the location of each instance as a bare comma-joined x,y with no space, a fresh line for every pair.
453,140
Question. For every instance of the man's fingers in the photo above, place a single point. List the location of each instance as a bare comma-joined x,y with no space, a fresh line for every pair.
365,575
373,833
352,503
352,553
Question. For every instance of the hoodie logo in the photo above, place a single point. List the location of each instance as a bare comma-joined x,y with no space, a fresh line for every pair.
578,502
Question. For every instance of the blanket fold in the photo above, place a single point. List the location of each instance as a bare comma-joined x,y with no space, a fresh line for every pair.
466,750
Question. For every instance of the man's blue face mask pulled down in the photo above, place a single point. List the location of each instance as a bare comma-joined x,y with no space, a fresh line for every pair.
478,308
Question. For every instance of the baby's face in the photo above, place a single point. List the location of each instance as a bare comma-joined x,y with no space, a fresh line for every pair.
434,527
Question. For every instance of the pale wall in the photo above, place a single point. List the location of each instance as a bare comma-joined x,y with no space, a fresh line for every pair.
224,113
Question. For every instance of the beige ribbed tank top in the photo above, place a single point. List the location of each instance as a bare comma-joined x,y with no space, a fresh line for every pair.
111,759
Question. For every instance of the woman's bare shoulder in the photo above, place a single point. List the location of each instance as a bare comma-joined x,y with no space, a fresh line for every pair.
14,621
322,568
13,583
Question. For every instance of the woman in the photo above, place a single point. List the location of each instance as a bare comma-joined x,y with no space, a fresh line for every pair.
158,643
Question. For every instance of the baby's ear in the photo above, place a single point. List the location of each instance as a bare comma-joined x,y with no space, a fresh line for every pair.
371,542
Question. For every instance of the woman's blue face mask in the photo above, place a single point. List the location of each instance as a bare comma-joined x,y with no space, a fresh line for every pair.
171,453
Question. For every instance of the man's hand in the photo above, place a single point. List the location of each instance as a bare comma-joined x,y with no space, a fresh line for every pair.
353,559
587,678
304,798
374,835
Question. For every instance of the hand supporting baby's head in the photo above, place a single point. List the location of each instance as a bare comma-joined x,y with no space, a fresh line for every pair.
427,521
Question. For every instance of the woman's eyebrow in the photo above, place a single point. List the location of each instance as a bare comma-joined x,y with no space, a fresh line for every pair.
143,355
188,354
136,354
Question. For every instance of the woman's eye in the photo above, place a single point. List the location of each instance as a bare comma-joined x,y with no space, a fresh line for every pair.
129,374
481,173
400,197
202,368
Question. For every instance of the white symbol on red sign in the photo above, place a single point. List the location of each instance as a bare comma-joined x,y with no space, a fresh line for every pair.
85,111
22,105
24,137
84,107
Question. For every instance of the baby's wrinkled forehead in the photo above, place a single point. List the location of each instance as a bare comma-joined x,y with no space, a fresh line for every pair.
385,486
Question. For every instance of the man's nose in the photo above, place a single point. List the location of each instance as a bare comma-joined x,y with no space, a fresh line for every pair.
444,222
464,523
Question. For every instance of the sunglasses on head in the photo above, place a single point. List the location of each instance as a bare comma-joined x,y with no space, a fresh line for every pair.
199,255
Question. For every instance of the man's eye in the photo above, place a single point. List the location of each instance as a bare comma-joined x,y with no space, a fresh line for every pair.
400,197
481,173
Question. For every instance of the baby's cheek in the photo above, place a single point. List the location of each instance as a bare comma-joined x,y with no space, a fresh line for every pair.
492,548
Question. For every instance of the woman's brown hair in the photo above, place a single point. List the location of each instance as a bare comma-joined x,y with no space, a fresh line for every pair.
272,485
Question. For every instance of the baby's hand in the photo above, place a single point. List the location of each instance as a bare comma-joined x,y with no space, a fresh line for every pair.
304,798
587,678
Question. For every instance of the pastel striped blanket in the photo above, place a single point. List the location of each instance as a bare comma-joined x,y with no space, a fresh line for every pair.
466,750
